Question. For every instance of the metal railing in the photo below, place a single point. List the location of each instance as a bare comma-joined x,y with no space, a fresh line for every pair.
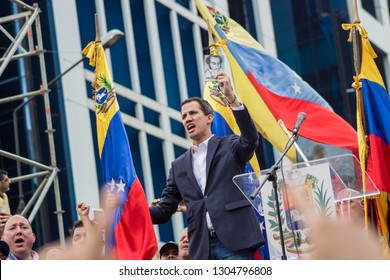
32,19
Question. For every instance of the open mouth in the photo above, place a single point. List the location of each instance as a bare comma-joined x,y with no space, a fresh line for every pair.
19,241
190,127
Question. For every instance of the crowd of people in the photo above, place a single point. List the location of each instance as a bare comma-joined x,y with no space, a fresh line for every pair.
221,221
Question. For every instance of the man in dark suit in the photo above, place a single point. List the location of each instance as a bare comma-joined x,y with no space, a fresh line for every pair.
221,222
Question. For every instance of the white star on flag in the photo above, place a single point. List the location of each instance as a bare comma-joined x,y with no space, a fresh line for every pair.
250,177
262,227
297,89
121,186
112,184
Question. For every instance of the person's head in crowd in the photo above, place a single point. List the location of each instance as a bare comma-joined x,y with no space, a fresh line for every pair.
5,212
4,250
351,206
20,238
169,251
5,181
352,210
78,234
183,245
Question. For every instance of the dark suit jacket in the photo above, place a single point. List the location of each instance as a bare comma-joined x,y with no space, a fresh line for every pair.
232,215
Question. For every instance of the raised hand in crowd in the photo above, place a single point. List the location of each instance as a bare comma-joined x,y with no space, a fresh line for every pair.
343,240
112,200
86,238
83,210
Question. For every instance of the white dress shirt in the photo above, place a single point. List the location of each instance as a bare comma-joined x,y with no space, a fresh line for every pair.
199,154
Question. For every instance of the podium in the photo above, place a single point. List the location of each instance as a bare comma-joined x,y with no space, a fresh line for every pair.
331,187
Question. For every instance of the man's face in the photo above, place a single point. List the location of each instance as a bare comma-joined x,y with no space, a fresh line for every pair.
4,184
215,63
352,209
79,237
196,124
170,254
19,236
183,244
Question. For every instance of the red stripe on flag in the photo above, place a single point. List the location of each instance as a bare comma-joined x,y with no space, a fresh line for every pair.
258,256
134,234
378,164
321,125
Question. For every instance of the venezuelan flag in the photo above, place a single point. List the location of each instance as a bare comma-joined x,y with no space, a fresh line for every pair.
373,115
272,91
131,234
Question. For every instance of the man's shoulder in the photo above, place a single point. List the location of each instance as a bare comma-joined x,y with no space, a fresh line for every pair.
4,198
12,257
227,138
181,157
34,256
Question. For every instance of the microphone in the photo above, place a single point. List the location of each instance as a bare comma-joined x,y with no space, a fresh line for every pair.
301,118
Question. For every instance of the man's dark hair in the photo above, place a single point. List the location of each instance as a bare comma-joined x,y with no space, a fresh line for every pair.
210,56
3,173
204,105
76,224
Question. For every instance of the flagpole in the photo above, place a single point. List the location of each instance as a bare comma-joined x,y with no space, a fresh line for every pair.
357,43
97,38
212,46
357,55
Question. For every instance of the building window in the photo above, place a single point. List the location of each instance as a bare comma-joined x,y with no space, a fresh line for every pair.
372,7
380,63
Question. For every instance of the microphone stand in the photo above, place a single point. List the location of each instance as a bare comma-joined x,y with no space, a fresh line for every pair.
271,176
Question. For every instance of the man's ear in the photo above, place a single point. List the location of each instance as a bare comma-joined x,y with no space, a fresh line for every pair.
210,118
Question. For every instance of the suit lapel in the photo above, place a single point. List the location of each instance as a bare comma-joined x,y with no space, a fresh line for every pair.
189,170
211,149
